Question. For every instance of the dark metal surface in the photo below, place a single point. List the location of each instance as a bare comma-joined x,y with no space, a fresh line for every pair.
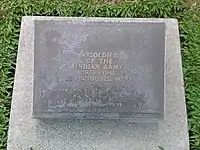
99,70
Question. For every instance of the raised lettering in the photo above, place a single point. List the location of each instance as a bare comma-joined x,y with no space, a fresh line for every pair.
99,66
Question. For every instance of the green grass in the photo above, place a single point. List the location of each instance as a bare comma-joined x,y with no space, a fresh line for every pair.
186,11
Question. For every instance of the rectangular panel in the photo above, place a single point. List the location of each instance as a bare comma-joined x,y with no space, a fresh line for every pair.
99,70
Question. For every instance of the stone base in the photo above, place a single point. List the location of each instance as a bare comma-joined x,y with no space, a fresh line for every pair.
26,132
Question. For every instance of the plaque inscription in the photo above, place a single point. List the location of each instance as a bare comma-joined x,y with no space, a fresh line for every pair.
99,67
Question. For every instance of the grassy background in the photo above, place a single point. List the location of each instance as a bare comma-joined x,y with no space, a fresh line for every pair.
186,11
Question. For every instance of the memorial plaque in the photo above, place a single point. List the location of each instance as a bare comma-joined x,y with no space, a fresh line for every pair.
99,70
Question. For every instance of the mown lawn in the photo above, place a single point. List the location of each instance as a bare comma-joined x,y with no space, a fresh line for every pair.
186,11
